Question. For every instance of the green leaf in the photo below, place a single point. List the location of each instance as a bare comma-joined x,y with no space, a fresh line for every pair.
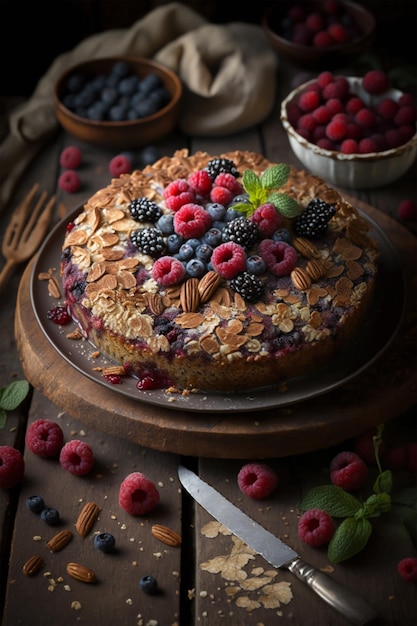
251,182
14,394
377,504
245,208
350,538
332,499
286,205
383,482
275,176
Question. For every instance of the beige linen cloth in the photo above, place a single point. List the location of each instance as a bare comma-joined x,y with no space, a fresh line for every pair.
228,74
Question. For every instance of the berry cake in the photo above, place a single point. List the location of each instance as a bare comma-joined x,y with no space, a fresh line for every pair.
222,273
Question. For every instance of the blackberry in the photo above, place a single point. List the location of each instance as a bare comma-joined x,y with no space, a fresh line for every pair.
217,166
149,241
241,231
144,210
248,286
313,221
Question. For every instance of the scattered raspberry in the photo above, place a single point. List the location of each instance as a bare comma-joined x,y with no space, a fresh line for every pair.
69,181
376,82
316,527
228,259
45,438
12,467
412,456
227,180
201,182
257,480
407,569
70,158
119,165
191,220
395,457
178,193
221,195
280,258
137,494
59,315
168,271
267,219
348,471
77,457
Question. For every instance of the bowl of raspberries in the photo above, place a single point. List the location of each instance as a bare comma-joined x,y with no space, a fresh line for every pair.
118,102
319,34
355,132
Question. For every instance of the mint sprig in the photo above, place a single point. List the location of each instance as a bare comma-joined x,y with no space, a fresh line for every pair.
352,535
11,396
263,189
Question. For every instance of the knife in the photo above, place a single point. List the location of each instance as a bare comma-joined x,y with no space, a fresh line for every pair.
274,550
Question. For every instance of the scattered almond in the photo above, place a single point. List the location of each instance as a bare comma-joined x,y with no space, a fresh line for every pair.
166,535
33,565
59,540
87,518
81,572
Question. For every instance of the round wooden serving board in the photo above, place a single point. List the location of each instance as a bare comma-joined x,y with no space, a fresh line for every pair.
383,391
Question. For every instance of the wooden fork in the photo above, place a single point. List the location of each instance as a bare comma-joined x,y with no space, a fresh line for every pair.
26,230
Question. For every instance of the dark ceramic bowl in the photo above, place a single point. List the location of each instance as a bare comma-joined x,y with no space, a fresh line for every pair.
309,56
120,134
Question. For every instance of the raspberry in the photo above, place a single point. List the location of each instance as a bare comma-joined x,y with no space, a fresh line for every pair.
334,105
387,108
201,182
293,113
338,33
59,315
77,457
178,193
12,467
307,122
322,114
316,527
393,138
376,82
338,89
70,158
221,195
228,259
348,471
353,105
407,569
44,438
69,181
314,22
191,220
257,480
336,130
168,271
267,219
137,494
349,146
395,457
119,165
309,101
405,115
324,78
280,258
367,145
365,117
228,181
412,456
323,40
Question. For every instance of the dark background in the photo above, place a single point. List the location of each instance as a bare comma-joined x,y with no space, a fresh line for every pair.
34,32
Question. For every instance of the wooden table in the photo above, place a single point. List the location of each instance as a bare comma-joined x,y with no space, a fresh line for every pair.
204,582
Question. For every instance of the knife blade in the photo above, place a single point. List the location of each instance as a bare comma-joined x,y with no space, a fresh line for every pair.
274,550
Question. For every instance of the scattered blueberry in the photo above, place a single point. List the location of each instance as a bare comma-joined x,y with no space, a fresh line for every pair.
148,584
35,504
104,542
50,516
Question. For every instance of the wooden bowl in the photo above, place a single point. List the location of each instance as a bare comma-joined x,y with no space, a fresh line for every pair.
309,56
119,134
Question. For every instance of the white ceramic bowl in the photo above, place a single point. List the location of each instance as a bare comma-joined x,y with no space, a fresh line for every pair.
352,171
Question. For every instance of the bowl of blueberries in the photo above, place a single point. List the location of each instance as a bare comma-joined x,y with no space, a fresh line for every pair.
118,102
318,33
357,132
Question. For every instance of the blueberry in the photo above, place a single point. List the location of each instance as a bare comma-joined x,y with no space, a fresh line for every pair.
232,214
282,234
174,242
35,504
186,252
75,83
216,210
117,113
213,237
144,108
128,86
149,83
195,268
166,224
204,252
104,542
109,95
50,516
255,264
148,584
241,199
121,69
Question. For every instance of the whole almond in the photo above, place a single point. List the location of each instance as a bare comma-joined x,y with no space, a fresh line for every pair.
33,565
59,540
300,279
81,572
315,268
166,535
208,284
305,247
189,295
87,518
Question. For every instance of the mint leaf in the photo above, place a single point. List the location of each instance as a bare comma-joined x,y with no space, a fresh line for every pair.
14,394
286,205
275,176
376,504
245,208
251,182
350,538
383,482
332,499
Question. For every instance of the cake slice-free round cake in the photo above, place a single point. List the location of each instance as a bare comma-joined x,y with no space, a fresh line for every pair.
223,273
